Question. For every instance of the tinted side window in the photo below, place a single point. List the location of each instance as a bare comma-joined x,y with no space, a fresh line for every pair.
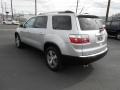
61,22
41,22
30,23
115,25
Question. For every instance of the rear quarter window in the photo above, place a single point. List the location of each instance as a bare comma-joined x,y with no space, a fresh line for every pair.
61,22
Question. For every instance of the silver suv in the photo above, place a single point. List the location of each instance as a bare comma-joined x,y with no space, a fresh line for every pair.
64,33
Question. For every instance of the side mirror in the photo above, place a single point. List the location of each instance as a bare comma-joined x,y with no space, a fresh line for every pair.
21,25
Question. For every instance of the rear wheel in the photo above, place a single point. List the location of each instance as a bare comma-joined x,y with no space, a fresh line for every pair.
53,58
18,42
4,23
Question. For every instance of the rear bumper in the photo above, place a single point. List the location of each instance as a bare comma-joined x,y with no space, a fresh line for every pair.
84,60
95,55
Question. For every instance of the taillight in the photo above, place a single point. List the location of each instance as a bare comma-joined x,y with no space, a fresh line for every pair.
101,29
104,27
79,39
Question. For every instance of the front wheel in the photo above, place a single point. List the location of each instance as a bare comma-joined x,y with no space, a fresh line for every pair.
18,42
53,58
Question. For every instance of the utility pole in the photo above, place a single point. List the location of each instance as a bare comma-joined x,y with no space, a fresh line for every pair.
108,8
12,9
35,7
77,6
5,8
2,10
5,11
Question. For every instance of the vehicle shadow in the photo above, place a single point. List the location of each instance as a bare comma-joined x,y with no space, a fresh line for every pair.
70,75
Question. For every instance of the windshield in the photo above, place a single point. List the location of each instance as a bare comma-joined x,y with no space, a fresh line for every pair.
90,23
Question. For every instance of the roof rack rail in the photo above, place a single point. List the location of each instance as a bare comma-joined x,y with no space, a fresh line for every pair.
66,11
88,16
58,12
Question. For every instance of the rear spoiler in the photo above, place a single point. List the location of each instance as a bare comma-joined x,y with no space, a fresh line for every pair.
87,16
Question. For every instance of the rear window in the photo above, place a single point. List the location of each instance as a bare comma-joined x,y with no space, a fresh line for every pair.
61,22
90,23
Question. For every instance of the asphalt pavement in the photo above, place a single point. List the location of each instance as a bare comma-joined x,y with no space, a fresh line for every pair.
25,69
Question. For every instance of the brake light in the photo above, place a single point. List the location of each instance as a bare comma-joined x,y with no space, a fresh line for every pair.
101,29
104,27
79,39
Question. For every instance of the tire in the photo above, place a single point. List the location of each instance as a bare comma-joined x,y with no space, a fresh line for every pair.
118,36
18,42
4,23
53,58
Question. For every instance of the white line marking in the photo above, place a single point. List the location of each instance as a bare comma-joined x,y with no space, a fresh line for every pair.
7,29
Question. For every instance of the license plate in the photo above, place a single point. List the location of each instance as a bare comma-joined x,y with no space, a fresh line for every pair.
99,38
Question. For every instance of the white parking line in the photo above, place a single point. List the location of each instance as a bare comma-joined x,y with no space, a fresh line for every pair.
7,29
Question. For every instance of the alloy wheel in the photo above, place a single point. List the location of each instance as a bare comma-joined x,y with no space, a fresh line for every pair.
52,59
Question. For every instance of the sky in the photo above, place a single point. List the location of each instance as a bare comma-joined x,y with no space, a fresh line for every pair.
95,7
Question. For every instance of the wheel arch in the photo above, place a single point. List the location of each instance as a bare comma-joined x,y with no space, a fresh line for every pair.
47,44
16,33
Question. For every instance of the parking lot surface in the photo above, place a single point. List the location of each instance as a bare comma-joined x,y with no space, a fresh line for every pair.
25,69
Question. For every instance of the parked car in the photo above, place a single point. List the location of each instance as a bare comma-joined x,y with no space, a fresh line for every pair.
15,22
64,33
11,22
113,28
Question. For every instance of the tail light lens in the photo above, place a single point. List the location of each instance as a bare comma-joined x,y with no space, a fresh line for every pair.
104,27
101,29
79,39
